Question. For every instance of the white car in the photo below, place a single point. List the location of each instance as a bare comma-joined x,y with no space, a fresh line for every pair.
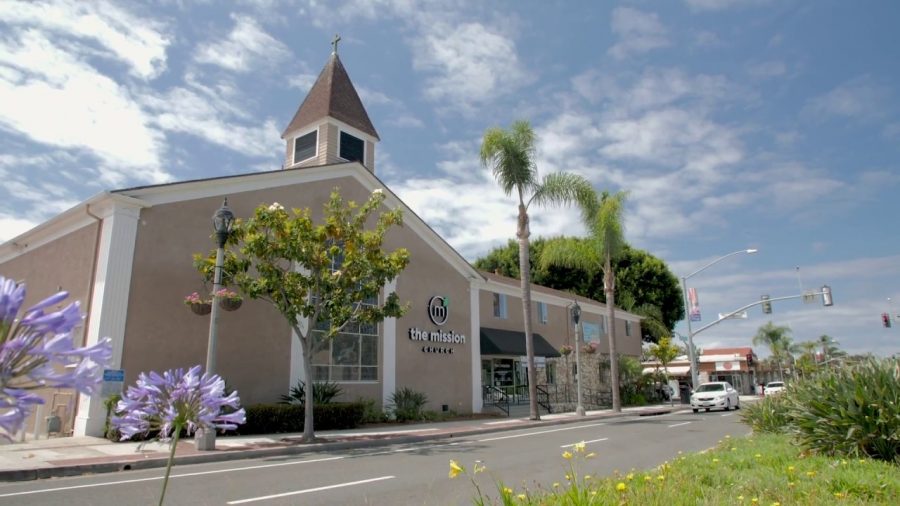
773,387
715,395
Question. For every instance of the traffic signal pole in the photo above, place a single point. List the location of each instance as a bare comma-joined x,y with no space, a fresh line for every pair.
825,293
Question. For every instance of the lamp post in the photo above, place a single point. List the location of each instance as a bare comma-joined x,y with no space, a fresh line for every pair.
695,381
223,221
576,317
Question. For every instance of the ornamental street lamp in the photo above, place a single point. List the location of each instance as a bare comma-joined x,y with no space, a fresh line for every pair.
576,317
695,380
223,221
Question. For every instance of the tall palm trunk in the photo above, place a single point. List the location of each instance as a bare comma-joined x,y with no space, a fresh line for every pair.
522,233
609,288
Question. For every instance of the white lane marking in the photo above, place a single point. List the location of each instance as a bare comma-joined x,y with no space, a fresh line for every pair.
505,422
585,442
679,424
309,490
414,448
183,475
728,414
540,432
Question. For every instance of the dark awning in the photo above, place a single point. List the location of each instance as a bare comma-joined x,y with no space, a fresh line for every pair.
512,342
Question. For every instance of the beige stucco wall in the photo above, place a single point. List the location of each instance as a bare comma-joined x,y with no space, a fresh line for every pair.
254,342
63,264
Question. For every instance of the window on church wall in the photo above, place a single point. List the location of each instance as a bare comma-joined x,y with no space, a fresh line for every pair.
542,312
352,148
305,146
500,305
627,328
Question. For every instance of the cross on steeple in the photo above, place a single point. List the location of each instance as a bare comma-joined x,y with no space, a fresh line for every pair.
334,43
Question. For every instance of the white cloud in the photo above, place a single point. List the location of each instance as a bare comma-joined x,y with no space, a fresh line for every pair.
13,226
639,32
470,64
718,5
860,98
373,97
139,42
303,82
245,48
404,121
104,120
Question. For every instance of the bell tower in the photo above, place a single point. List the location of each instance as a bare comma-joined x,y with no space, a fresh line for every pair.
331,125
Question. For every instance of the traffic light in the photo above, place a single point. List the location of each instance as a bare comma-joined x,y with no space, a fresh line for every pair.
826,296
766,306
886,320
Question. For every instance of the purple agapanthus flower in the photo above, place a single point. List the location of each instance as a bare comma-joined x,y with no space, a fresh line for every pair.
37,351
177,399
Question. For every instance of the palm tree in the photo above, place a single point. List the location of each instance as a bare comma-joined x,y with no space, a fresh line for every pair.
602,217
830,349
777,339
510,156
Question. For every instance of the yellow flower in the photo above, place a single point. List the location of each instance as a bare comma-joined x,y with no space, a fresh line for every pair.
661,478
568,478
479,467
647,478
810,473
579,447
754,500
790,484
740,498
776,503
727,436
629,476
715,460
790,469
587,477
522,497
733,449
843,462
507,490
620,487
838,495
556,484
455,469
758,455
567,455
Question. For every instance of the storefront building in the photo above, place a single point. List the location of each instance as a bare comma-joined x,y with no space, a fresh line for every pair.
126,254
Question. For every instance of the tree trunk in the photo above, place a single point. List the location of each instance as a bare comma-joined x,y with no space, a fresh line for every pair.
525,274
309,434
609,288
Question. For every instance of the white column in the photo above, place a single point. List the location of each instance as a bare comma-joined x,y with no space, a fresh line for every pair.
475,339
109,304
389,351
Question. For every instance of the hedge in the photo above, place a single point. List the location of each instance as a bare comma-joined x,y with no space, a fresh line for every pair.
278,418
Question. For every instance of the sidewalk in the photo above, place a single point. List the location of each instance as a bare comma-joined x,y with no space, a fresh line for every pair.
71,456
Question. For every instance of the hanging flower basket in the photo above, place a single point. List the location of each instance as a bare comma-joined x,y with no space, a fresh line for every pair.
565,350
228,300
197,304
201,308
589,348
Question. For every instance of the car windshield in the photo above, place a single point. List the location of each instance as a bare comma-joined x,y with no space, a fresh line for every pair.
776,384
713,387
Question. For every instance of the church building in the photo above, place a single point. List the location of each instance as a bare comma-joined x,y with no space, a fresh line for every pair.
126,254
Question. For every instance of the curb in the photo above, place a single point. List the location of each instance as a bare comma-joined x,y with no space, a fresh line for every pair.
114,466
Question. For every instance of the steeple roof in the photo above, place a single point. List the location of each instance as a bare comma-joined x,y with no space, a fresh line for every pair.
332,95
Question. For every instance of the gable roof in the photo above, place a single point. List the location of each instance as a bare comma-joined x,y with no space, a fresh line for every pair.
332,95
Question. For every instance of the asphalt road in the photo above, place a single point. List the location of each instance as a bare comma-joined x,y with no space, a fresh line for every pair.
399,474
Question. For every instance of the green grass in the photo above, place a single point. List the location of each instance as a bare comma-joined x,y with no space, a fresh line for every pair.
763,469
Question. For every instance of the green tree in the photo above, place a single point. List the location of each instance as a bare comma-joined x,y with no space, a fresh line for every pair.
830,350
777,339
664,353
606,240
510,156
328,274
642,280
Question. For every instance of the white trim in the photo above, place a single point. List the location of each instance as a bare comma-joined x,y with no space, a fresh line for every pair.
190,190
109,313
63,224
475,332
389,350
352,134
294,146
341,125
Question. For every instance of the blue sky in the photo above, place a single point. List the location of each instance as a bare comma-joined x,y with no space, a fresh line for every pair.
733,123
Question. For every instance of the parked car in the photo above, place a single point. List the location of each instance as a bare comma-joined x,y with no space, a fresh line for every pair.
774,387
715,395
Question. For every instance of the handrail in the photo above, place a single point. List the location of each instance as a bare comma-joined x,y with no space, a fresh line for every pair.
543,398
496,397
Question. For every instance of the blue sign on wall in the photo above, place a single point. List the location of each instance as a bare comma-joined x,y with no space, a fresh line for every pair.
117,375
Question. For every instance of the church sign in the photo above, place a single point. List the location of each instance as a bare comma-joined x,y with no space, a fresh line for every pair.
438,340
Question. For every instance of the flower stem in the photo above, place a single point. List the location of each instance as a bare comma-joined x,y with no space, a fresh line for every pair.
173,444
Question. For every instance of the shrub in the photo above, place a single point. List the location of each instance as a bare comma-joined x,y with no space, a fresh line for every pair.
407,404
852,411
324,392
278,418
110,404
371,413
768,414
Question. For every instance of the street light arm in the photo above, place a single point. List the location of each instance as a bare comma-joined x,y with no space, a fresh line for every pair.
714,262
742,308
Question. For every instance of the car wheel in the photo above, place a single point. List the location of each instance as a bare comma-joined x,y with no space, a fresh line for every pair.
707,410
728,405
695,410
738,405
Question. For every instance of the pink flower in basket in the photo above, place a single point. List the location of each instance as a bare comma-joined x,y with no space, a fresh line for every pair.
225,293
565,349
194,298
589,348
